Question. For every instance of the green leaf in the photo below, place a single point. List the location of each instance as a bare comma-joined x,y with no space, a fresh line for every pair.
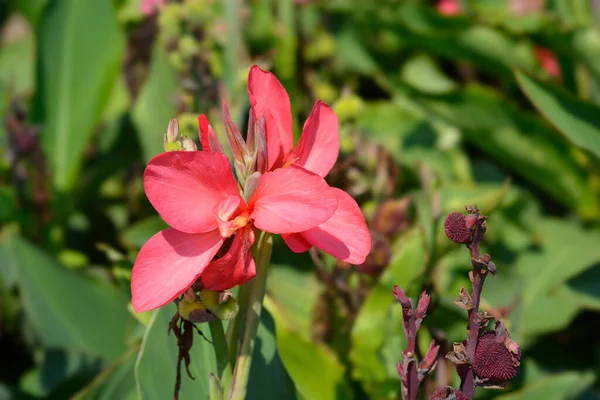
137,234
158,358
518,141
68,310
578,120
423,74
296,292
268,379
540,278
297,353
17,60
61,374
80,52
155,106
156,366
566,385
31,9
117,381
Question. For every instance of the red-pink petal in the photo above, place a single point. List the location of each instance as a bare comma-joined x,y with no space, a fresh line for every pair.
184,186
345,235
234,268
319,144
208,136
290,200
269,98
296,242
168,264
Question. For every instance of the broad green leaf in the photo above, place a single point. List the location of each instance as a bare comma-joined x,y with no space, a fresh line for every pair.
158,358
578,120
268,379
297,353
31,9
60,374
155,105
566,385
518,141
296,292
156,365
80,46
117,381
548,304
67,310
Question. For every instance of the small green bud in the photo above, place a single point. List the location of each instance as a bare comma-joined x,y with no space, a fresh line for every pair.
221,304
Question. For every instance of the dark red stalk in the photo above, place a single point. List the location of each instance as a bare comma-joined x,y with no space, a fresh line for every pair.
477,276
411,373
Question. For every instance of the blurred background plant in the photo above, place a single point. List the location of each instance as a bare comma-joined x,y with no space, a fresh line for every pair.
487,102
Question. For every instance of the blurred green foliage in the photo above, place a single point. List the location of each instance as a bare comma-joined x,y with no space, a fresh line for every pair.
493,106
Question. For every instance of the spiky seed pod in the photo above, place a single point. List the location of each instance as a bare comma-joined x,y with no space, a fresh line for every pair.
448,393
496,358
456,228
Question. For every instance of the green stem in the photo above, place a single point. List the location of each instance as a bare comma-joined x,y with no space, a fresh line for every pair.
220,345
252,309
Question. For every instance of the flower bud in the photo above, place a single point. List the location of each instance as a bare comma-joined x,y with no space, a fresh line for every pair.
188,144
172,131
456,228
448,393
496,358
429,362
401,297
221,304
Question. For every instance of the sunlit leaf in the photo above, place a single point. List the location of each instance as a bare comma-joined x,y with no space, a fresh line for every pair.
579,121
81,47
68,310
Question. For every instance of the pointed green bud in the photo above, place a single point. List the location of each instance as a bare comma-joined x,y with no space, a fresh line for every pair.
221,304
194,311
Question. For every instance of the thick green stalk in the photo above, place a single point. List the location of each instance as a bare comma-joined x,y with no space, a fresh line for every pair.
220,345
252,310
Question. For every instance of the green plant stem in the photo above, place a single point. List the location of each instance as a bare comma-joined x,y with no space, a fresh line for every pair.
252,310
220,345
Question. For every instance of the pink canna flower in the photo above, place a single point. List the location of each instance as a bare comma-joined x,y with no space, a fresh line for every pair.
449,7
283,192
197,195
345,235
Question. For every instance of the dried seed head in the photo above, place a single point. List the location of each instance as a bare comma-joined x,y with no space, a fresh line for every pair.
448,393
456,228
496,358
